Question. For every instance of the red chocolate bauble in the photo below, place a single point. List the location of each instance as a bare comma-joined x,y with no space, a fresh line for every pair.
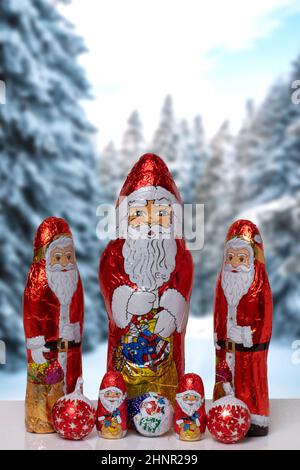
228,419
74,415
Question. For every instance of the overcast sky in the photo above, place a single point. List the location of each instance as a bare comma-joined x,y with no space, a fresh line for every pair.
210,55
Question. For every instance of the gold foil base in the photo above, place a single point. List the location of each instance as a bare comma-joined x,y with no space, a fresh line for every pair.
141,381
39,402
192,434
114,431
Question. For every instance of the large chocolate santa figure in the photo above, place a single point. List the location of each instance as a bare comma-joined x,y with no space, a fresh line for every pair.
146,279
243,323
53,322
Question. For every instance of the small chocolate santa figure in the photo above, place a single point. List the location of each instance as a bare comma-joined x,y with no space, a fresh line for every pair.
146,277
111,421
53,322
243,323
189,412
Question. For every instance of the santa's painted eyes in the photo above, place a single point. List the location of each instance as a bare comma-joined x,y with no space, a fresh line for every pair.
230,257
69,256
162,213
58,257
242,259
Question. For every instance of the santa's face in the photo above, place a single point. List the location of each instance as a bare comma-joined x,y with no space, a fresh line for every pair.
189,401
61,269
238,270
111,398
238,259
63,256
149,219
150,248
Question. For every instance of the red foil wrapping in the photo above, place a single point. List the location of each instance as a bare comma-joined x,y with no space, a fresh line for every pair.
112,418
54,362
243,328
189,411
228,419
148,359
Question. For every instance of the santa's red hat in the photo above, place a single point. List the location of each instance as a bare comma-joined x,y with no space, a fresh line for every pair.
192,382
113,379
49,230
150,176
248,231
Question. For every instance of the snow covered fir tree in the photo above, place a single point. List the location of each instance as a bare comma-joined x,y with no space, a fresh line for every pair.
48,164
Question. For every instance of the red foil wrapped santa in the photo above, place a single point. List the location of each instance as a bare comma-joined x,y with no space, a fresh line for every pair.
243,323
189,411
146,279
111,421
53,322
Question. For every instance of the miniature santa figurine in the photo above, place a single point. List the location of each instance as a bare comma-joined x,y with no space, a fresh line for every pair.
146,279
243,323
111,421
189,411
53,322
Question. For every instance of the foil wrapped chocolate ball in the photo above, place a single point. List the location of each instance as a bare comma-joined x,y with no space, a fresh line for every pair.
150,414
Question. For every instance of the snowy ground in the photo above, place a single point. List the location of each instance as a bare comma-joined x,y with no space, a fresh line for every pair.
284,366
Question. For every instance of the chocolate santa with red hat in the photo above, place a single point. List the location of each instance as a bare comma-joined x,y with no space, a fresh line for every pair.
53,322
111,421
146,280
243,323
189,411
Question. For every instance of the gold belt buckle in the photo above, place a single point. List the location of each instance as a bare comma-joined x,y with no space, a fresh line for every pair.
62,345
230,346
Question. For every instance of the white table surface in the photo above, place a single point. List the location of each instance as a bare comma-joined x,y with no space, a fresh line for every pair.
284,434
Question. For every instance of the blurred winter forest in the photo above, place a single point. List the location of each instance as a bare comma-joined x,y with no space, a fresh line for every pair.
50,166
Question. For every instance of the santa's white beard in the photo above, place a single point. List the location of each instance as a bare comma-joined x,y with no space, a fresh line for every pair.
188,407
111,405
62,283
149,262
236,284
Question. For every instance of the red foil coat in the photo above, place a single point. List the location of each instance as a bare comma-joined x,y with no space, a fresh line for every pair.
149,171
254,310
189,425
41,316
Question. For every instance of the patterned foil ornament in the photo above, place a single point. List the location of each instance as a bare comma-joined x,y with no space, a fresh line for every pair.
111,419
150,414
74,414
189,411
146,277
228,418
53,322
243,323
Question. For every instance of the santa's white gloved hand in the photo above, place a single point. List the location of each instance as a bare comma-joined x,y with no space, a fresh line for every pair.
217,347
235,334
77,334
68,332
38,355
140,302
165,324
37,349
242,335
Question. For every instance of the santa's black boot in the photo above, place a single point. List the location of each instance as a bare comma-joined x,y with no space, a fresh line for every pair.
256,430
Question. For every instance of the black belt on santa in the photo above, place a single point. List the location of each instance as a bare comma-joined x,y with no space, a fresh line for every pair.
231,346
62,345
